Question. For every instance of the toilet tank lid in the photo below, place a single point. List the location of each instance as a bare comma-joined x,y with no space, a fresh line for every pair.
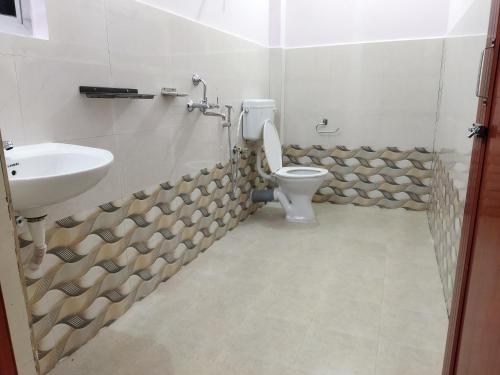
259,103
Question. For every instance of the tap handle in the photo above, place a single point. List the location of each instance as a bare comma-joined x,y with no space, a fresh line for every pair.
196,79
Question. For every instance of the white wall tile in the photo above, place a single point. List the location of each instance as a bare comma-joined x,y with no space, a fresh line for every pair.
10,110
458,102
197,145
276,83
52,107
378,94
146,158
77,32
139,37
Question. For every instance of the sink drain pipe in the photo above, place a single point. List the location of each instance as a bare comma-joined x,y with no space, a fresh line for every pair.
36,227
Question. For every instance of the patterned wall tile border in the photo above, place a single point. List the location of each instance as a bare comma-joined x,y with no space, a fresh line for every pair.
446,212
98,265
363,176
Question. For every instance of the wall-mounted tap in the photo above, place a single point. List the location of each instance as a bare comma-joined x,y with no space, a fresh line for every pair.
196,81
203,105
215,114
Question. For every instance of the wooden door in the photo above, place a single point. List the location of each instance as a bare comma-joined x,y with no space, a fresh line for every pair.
473,346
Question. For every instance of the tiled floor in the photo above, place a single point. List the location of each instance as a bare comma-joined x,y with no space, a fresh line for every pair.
357,294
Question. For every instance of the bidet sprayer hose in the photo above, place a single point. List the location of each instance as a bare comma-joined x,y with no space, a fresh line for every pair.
235,153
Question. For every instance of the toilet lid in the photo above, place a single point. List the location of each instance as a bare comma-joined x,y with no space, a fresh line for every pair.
272,146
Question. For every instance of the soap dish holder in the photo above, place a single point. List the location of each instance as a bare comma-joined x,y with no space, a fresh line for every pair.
170,91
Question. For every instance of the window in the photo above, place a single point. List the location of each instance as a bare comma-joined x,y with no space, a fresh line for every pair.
24,17
11,19
10,8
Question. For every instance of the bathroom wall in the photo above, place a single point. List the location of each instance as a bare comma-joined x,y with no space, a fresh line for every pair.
468,17
125,43
457,111
239,17
466,37
458,101
326,22
382,97
379,94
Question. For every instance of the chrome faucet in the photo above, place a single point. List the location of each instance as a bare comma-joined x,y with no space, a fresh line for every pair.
8,145
215,114
196,81
203,105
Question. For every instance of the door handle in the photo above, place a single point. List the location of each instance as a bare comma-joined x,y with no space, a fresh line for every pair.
480,72
480,76
478,130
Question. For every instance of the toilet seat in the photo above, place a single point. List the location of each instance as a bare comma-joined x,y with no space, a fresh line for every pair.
300,172
272,148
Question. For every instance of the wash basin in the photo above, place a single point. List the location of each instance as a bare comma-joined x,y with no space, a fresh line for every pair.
49,173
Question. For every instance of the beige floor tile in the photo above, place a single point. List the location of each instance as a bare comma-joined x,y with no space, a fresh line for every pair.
267,339
415,296
403,271
333,353
358,288
274,298
113,353
409,237
297,274
362,266
295,304
394,359
415,329
232,365
259,270
355,318
361,247
415,253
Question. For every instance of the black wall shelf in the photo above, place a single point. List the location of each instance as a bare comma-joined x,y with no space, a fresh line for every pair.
112,93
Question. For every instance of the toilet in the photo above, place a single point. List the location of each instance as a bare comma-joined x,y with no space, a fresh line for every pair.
296,185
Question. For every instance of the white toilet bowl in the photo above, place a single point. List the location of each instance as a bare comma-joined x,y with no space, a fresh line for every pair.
298,184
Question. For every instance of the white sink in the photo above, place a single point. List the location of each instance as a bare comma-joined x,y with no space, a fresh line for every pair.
49,173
